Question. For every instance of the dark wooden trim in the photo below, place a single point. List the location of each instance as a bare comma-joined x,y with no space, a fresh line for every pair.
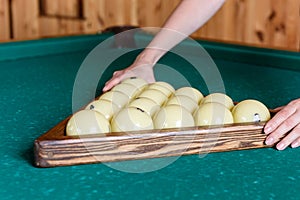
11,19
80,12
80,9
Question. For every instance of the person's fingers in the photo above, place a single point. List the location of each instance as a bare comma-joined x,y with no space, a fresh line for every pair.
278,108
287,125
144,71
296,143
116,73
279,118
291,139
113,81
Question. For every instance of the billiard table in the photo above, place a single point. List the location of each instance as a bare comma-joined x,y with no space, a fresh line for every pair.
37,80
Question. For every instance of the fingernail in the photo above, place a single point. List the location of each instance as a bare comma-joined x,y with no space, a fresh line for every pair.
269,141
280,146
267,129
295,145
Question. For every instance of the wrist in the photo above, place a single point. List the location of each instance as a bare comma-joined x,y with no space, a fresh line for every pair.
149,56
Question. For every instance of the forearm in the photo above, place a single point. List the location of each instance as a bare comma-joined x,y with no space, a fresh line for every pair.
189,16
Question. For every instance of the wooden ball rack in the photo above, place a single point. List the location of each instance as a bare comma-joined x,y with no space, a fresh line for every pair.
54,148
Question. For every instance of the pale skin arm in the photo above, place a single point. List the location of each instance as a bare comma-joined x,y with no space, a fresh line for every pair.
189,16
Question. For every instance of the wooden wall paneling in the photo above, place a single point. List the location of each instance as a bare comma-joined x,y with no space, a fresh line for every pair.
217,26
249,21
240,20
156,14
130,12
167,7
292,25
94,14
101,14
66,8
72,26
50,27
50,7
260,15
297,24
4,20
235,20
119,12
149,13
25,19
230,20
267,23
61,18
278,32
113,13
133,7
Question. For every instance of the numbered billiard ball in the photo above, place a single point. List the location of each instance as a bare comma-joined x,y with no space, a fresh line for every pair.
212,114
106,108
145,104
218,98
184,101
130,90
131,119
137,82
156,95
191,92
173,116
118,98
166,90
250,111
87,122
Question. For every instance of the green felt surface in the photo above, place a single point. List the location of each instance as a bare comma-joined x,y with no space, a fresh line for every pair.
36,94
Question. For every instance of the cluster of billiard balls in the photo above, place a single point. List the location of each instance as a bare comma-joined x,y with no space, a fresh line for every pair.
135,105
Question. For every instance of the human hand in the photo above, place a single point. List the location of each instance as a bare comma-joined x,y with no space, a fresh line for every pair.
137,69
285,126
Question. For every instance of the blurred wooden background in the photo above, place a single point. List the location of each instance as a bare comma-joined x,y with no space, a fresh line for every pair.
266,23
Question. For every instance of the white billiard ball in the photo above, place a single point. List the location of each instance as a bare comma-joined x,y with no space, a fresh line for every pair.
165,85
250,111
131,119
130,90
168,92
184,101
137,82
173,116
106,108
145,104
218,98
118,98
87,122
191,92
212,114
156,95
